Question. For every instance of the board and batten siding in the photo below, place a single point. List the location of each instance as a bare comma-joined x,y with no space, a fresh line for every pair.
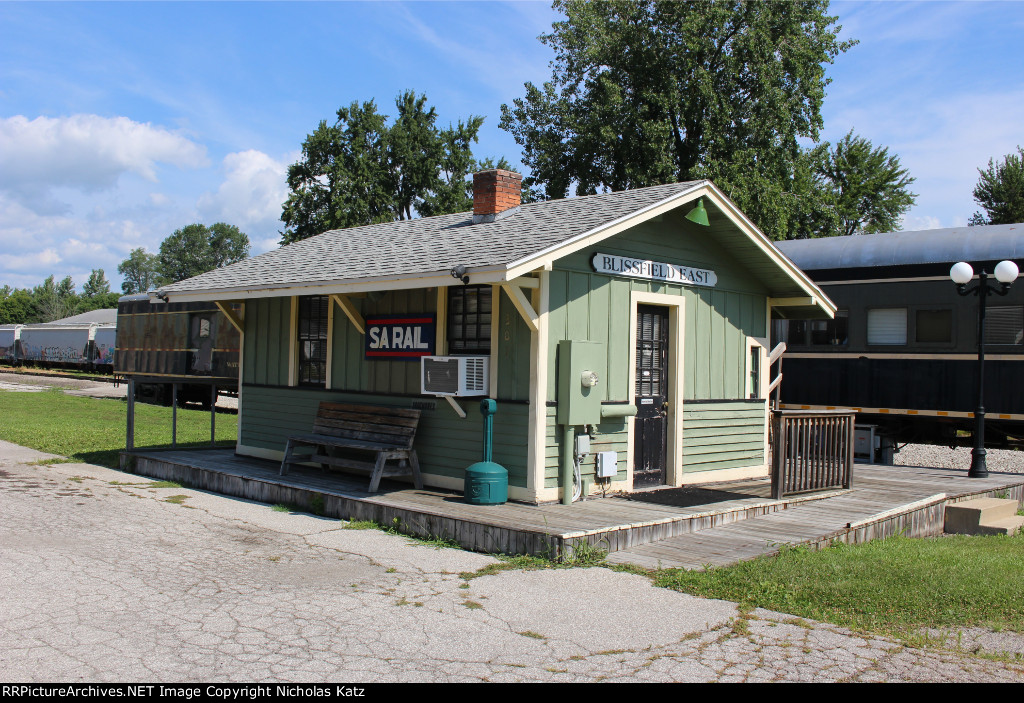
717,324
445,443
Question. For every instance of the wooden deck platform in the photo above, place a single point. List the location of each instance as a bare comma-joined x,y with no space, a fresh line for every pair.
689,527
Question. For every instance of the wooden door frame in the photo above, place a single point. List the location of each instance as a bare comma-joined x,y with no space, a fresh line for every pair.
674,423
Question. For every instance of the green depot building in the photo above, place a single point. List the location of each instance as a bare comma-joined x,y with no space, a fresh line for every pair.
623,340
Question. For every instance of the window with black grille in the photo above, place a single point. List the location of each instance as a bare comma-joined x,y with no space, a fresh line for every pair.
469,320
313,311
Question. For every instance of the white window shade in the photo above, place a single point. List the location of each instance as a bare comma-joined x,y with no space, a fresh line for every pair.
1004,324
887,326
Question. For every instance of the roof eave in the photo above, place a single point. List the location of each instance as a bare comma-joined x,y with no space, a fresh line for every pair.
430,279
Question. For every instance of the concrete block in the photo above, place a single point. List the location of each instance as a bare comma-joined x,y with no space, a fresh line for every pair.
969,517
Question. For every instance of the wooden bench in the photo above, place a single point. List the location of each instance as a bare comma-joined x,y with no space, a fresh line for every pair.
342,429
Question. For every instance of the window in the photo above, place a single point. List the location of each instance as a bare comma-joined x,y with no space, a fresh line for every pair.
754,388
887,326
313,312
934,326
813,332
469,320
1004,324
830,332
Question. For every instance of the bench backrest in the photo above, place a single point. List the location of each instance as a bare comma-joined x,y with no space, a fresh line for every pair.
373,423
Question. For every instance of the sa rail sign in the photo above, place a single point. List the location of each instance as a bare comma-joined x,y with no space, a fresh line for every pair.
405,337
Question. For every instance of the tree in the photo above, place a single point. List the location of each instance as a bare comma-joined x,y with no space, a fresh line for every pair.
866,186
652,92
96,285
15,306
362,170
196,249
139,271
1000,191
54,301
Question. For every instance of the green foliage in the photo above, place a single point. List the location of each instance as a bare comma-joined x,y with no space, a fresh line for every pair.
865,186
196,249
96,285
15,306
362,170
92,430
53,301
1000,191
140,272
651,92
896,586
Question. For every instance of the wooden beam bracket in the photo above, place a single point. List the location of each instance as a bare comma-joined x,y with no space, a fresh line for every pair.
350,311
526,311
235,320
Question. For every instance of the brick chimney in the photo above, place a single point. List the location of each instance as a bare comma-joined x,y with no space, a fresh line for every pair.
497,193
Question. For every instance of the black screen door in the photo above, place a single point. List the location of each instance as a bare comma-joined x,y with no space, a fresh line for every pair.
650,433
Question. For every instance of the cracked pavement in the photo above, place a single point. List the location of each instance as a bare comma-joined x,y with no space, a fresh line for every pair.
106,577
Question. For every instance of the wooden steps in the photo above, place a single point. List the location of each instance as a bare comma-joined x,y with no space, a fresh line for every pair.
983,516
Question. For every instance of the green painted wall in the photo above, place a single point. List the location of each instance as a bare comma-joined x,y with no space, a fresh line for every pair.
445,443
587,305
723,435
717,321
267,337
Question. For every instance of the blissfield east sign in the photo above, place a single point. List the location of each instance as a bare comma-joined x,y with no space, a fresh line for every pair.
652,270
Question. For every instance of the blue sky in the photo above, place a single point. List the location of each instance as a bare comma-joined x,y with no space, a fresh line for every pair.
121,122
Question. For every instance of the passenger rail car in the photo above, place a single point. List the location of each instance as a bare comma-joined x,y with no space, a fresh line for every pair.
191,344
902,349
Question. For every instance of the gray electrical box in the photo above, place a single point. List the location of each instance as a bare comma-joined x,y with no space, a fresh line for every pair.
582,444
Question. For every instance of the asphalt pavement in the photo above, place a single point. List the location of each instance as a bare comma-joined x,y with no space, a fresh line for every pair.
108,576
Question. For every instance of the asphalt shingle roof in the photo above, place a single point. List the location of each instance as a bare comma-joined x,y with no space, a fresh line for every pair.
429,244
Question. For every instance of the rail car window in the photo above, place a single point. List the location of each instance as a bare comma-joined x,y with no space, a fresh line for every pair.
1004,324
469,320
933,326
313,312
813,332
887,326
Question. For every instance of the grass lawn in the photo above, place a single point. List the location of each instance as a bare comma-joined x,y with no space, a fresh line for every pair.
895,586
93,430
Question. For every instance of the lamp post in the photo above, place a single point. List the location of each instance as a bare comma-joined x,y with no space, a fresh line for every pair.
1006,273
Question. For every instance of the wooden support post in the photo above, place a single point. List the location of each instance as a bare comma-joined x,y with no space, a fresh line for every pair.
130,439
174,416
213,414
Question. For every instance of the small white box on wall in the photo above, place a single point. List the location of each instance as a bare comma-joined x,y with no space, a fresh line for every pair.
607,464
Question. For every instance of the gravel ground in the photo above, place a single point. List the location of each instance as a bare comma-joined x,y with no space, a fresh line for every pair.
998,460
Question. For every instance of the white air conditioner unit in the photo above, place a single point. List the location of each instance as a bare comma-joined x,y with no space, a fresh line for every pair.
455,375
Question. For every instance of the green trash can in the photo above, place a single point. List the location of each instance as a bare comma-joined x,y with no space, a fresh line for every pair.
486,482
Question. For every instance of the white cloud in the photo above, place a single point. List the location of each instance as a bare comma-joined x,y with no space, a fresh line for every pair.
254,189
86,153
35,246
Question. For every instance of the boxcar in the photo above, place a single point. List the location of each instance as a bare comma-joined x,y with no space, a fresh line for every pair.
191,344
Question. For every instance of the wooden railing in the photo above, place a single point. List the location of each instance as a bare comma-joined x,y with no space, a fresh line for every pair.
812,450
